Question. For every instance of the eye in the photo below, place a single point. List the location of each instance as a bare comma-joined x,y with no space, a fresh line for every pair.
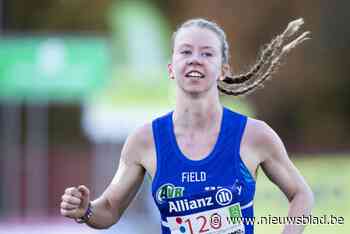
207,54
185,52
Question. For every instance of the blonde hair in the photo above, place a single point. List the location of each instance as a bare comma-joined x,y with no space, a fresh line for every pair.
268,62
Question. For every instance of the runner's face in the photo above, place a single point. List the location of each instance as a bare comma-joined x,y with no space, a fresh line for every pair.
197,60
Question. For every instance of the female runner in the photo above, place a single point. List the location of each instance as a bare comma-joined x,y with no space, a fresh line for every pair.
203,158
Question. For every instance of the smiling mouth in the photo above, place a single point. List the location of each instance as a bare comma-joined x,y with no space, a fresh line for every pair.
194,75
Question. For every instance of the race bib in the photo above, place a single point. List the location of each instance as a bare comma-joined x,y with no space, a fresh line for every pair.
224,220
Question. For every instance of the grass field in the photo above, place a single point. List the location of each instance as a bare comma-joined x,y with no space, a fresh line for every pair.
329,178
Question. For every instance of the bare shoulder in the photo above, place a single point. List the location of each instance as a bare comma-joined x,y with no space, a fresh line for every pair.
139,143
143,136
260,138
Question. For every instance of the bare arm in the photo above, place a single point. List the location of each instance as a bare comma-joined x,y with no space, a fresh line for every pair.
281,171
109,207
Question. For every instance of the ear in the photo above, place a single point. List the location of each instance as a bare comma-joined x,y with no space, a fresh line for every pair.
225,71
170,71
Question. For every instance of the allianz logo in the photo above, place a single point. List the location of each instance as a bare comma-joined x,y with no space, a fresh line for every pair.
185,204
223,197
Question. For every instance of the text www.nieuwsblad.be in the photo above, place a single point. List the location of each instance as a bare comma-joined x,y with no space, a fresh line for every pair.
299,220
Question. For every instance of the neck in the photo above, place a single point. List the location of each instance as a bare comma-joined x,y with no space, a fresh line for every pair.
196,111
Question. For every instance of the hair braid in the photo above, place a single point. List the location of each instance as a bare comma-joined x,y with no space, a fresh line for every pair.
268,63
263,58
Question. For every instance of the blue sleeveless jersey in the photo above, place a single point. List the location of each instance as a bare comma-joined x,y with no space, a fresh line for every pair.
211,195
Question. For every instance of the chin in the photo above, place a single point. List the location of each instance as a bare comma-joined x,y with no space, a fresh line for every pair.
196,91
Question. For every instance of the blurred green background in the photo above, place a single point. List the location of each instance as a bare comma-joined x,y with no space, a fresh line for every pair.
77,76
328,177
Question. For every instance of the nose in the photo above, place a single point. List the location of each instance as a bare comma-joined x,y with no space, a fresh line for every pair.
194,59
